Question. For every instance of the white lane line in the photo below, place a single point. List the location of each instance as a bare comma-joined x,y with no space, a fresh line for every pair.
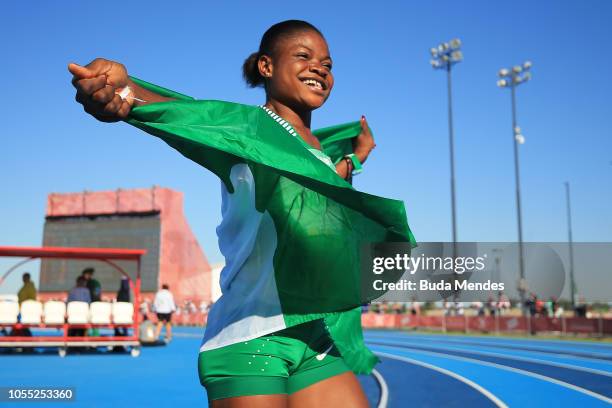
456,376
509,348
384,389
508,356
505,339
187,335
516,370
524,344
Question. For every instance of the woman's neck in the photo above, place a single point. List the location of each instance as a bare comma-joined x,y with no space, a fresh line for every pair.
299,120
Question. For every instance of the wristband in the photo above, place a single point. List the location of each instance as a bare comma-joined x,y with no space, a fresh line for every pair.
357,167
349,169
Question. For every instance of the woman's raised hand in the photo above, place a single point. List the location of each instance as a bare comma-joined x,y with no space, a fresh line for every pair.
98,85
363,144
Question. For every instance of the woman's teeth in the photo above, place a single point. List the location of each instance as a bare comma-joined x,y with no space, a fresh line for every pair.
312,83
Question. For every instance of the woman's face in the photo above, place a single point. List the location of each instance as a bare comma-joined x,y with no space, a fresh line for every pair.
299,74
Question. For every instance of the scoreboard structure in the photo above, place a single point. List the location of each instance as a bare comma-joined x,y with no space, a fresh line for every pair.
150,219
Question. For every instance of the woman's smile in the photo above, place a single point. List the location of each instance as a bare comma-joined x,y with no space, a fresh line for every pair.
314,84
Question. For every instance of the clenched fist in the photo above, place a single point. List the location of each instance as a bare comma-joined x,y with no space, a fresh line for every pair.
98,85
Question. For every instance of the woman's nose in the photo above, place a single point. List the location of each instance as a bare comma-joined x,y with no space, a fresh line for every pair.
318,68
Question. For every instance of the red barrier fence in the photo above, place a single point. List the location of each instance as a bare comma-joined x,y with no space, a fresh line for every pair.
486,324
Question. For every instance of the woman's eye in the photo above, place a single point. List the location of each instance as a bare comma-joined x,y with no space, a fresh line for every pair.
328,66
303,55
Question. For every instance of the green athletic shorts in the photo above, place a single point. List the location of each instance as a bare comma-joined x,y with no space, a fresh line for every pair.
279,363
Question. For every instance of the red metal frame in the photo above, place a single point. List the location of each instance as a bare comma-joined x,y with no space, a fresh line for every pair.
106,255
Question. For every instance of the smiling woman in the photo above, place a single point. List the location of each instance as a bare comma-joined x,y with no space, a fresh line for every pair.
286,330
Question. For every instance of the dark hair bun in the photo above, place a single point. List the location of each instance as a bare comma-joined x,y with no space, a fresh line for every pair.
250,71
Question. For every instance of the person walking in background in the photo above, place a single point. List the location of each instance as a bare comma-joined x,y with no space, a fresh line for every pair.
28,290
164,306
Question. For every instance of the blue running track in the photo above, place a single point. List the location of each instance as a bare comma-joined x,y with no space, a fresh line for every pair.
505,372
419,370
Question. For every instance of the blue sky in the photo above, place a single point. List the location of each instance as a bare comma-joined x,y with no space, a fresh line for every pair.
381,65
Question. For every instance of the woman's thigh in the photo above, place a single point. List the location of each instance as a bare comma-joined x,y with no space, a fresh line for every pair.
252,401
343,390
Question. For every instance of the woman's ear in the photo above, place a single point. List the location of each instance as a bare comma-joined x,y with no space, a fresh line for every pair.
265,66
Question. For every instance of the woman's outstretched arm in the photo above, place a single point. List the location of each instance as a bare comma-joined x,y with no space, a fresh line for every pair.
102,89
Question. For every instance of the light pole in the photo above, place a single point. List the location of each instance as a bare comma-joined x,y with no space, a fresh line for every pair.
571,246
444,56
498,257
511,78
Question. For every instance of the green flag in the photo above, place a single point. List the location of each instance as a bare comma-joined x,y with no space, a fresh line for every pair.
305,228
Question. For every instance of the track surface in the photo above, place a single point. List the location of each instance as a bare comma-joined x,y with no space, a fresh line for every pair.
489,371
420,370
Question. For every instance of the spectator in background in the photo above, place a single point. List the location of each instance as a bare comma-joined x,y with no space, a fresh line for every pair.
164,306
503,303
28,290
580,310
79,293
479,307
123,295
204,307
95,289
530,304
415,309
459,308
144,309
192,308
552,306
399,308
559,312
446,305
492,306
539,305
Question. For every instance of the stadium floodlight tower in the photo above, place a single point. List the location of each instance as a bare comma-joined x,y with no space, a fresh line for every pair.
571,245
511,78
444,56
